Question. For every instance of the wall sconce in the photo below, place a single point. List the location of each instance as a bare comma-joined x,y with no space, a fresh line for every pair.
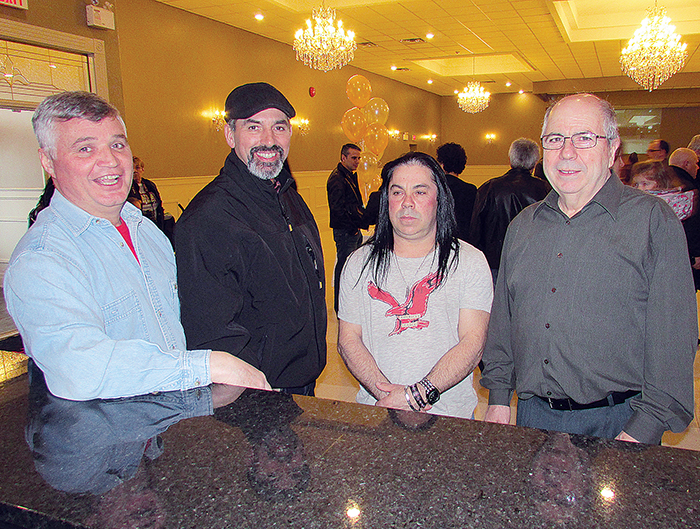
490,138
219,120
302,125
394,134
432,138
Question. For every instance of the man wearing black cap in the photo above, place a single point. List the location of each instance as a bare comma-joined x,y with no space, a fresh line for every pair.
248,251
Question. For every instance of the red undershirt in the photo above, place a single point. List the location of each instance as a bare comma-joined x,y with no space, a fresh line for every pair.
124,230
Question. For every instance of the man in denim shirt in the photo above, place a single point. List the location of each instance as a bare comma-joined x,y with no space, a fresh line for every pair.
92,286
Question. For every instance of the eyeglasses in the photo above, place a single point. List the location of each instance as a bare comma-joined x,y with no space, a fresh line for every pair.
580,140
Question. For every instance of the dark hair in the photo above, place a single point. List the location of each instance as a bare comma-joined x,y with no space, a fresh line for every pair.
347,147
663,144
452,157
382,242
44,201
653,170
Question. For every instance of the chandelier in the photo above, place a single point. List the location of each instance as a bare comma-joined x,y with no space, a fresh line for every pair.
324,47
655,52
473,98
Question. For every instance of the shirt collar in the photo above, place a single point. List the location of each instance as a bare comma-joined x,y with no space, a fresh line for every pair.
79,220
608,197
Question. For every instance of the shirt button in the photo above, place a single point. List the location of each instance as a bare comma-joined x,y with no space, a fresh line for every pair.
546,325
560,255
546,361
568,222
554,290
549,393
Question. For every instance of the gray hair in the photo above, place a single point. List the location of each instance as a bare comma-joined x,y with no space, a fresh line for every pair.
523,154
695,144
64,107
606,109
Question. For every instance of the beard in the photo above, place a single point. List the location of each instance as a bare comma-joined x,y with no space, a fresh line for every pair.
266,170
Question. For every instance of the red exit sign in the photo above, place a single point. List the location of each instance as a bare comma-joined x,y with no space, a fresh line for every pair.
20,4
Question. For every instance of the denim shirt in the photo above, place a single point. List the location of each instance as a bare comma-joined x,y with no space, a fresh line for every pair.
99,323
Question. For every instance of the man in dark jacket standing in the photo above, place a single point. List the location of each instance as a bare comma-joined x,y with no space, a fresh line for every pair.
346,211
453,159
249,259
500,199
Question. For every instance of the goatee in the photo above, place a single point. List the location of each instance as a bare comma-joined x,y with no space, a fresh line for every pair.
266,170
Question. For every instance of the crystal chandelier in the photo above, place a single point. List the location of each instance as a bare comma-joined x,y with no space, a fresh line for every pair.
324,47
473,98
655,53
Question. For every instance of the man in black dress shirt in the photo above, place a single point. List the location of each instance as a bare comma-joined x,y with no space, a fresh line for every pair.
594,318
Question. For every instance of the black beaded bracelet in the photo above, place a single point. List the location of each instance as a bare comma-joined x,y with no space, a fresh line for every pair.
416,395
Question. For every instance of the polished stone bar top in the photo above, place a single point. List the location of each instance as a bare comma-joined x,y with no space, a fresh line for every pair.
224,457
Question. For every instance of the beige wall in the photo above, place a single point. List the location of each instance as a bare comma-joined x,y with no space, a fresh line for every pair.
509,117
166,67
176,65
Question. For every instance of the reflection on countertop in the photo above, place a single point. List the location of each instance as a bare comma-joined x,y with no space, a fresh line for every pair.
228,457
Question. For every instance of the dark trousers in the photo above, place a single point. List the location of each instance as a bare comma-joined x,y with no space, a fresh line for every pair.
345,244
307,390
605,422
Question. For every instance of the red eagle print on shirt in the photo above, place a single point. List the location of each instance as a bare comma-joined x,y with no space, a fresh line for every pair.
409,313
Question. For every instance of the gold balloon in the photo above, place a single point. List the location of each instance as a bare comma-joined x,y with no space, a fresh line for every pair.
376,138
376,111
358,90
368,173
354,124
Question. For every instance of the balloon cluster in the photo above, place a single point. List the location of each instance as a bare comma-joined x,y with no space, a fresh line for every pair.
365,124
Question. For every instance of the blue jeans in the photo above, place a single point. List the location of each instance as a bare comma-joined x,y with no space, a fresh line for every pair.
345,244
605,422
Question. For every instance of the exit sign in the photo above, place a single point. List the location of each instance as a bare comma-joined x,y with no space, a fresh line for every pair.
19,4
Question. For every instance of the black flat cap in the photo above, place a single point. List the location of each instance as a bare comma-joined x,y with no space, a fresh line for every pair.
249,99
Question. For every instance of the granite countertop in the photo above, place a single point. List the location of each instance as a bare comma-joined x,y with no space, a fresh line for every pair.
265,460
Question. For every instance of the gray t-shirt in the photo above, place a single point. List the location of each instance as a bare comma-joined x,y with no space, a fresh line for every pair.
408,324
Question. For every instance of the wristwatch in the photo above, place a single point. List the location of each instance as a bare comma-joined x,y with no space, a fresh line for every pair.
432,394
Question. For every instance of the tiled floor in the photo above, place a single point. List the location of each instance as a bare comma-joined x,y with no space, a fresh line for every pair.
337,383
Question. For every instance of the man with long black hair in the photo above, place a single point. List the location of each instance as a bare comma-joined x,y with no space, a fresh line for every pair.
415,301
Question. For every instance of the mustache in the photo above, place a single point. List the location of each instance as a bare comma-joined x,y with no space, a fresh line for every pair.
265,148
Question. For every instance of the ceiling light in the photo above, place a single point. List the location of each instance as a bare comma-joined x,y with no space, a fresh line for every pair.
521,91
508,83
474,98
430,81
429,36
655,52
393,68
259,16
324,47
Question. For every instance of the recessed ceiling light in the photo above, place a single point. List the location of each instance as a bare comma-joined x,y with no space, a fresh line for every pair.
259,16
429,35
456,91
508,83
521,91
393,68
430,81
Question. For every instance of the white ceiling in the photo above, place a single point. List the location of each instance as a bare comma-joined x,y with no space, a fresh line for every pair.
534,44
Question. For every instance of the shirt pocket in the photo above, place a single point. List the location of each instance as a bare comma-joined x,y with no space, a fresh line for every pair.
124,318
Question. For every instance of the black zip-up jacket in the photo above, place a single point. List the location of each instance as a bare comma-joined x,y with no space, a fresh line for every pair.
250,275
345,201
